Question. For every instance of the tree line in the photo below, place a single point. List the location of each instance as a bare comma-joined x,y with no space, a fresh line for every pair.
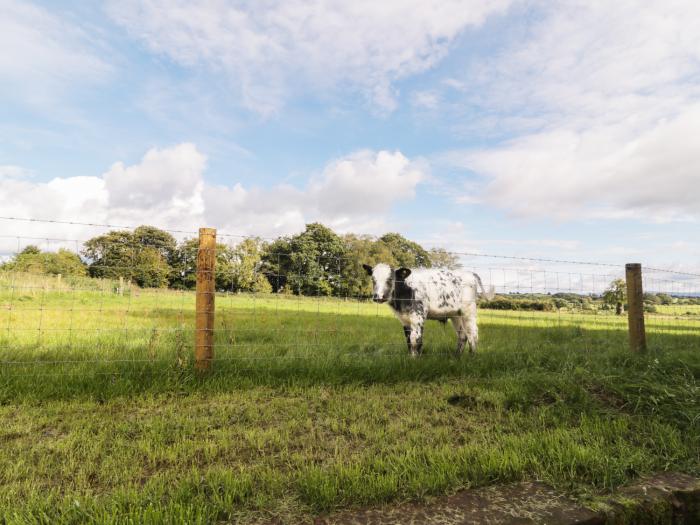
317,261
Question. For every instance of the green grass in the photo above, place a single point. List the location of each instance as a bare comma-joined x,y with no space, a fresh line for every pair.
313,405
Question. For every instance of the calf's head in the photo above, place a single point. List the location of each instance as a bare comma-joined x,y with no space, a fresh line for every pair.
384,280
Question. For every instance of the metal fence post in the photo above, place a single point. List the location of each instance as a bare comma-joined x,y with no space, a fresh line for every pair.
206,288
635,307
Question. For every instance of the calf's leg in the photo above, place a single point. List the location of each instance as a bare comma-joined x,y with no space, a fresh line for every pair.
407,334
471,328
415,336
460,328
467,330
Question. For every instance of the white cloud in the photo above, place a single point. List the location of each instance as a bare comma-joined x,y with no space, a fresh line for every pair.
43,54
166,186
366,182
273,48
605,99
353,193
167,189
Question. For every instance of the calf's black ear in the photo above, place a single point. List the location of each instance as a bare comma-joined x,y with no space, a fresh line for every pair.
367,268
402,273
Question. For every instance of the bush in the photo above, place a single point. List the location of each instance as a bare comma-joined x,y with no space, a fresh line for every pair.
33,260
511,303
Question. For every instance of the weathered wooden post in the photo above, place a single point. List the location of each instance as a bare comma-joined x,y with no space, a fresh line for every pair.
121,285
206,288
635,307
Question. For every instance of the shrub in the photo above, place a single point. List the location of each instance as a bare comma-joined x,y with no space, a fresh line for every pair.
511,303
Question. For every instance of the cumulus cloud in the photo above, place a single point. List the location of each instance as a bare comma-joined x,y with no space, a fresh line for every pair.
167,188
602,99
167,185
366,182
269,49
355,192
43,54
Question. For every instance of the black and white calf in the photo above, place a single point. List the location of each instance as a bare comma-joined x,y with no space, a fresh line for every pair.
418,295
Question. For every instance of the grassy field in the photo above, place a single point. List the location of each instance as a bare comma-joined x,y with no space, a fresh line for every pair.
313,405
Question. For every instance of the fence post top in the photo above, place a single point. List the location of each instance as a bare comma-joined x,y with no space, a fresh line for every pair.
633,266
207,231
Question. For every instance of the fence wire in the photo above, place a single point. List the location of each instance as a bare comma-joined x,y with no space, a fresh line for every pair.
302,309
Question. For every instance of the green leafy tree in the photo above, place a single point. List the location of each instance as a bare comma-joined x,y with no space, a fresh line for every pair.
143,256
406,253
151,269
30,250
111,255
441,258
560,303
665,299
158,240
616,295
246,267
184,266
310,263
651,298
363,249
32,260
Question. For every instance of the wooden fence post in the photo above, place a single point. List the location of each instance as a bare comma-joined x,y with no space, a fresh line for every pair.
121,285
206,288
635,307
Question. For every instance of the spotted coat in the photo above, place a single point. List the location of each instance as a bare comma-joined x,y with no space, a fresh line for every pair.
418,295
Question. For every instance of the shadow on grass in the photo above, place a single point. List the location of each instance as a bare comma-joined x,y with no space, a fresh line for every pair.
306,348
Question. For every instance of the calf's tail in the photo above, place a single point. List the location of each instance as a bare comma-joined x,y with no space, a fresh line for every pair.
484,294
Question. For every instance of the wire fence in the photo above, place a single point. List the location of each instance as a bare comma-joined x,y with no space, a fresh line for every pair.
134,305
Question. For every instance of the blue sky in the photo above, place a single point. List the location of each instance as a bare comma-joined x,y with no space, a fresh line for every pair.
559,129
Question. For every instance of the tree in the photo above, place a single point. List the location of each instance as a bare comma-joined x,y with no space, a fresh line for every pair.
158,240
184,266
406,253
651,298
30,249
441,258
151,269
665,298
111,255
246,267
143,256
363,249
309,263
560,303
32,260
616,295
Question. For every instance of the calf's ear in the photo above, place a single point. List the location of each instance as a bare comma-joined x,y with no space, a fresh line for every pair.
367,268
402,273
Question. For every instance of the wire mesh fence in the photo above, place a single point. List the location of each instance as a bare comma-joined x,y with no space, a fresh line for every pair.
131,304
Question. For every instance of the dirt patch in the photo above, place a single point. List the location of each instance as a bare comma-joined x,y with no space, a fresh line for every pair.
469,402
667,498
608,398
513,504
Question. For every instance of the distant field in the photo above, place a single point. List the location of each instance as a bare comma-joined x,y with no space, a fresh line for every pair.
679,309
313,405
